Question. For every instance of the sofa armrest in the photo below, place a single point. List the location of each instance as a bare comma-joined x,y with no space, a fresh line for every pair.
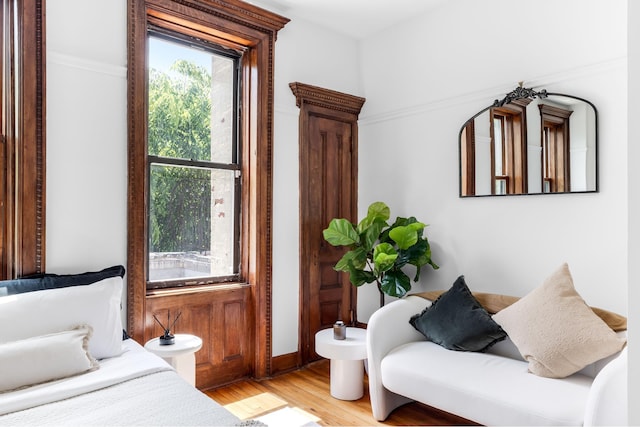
388,328
607,400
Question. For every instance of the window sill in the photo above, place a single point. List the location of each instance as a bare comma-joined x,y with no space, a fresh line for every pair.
196,289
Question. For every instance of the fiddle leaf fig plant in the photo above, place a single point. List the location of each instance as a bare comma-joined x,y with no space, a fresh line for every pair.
378,252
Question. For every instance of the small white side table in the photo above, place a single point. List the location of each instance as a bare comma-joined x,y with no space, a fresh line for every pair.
347,368
180,355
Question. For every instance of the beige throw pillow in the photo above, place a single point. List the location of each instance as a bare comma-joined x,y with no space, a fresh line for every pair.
555,330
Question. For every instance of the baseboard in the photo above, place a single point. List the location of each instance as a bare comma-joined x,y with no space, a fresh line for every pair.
284,363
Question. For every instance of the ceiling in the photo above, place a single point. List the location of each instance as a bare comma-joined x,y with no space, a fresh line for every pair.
355,18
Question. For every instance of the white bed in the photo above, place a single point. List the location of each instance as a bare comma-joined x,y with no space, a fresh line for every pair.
63,361
135,388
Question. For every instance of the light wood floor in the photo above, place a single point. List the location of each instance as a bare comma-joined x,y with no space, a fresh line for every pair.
308,389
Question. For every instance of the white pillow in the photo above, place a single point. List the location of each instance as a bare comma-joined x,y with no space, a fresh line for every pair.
43,312
45,358
555,330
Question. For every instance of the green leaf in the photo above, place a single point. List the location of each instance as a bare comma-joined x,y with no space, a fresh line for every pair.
395,283
418,254
341,233
378,211
356,257
404,236
359,277
372,233
416,226
384,256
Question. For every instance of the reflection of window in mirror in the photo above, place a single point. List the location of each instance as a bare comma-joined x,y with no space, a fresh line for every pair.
509,148
468,157
555,149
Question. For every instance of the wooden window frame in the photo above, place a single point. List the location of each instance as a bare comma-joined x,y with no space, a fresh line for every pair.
558,172
515,148
22,160
468,159
237,25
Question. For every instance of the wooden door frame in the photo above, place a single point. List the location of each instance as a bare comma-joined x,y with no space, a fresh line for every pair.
344,107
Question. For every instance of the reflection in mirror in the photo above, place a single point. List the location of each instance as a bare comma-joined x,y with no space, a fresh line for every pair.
530,142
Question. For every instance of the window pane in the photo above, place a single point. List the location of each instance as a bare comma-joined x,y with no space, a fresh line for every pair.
191,102
191,223
497,137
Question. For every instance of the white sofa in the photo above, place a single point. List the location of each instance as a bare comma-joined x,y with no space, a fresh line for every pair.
492,388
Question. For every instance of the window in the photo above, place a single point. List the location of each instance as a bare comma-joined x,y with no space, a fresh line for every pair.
223,31
556,177
502,148
193,162
509,148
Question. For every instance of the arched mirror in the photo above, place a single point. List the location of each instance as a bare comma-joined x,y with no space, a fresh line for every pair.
530,142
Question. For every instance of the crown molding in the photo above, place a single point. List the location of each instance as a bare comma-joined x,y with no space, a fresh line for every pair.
308,94
496,92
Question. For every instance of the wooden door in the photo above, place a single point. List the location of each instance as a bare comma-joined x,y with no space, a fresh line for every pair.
328,189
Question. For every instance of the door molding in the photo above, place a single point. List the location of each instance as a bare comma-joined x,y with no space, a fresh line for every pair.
333,105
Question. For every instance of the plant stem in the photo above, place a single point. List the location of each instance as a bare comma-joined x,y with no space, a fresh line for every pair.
381,293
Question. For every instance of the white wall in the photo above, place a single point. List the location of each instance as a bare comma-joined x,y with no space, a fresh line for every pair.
309,54
439,70
86,204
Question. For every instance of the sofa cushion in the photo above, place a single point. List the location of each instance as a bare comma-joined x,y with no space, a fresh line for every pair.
555,330
457,321
486,388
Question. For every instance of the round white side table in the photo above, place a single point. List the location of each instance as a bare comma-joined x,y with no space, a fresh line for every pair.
347,368
180,355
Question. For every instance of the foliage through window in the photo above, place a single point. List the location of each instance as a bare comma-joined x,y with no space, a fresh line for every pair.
193,162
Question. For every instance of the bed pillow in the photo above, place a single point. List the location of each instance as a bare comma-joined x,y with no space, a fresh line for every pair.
43,312
555,330
39,282
46,358
457,321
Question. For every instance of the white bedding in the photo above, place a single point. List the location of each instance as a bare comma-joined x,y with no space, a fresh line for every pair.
135,388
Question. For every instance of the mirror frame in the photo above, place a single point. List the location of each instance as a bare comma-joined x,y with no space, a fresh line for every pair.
528,94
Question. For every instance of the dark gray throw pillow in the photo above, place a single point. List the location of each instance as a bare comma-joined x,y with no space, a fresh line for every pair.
457,321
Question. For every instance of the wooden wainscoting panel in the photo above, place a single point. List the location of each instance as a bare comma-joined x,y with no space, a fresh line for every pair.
233,337
221,318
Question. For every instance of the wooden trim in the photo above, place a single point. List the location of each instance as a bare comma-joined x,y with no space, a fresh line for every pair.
284,363
468,159
557,119
326,98
255,29
23,239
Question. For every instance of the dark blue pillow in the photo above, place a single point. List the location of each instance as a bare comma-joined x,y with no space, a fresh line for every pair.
457,321
40,282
